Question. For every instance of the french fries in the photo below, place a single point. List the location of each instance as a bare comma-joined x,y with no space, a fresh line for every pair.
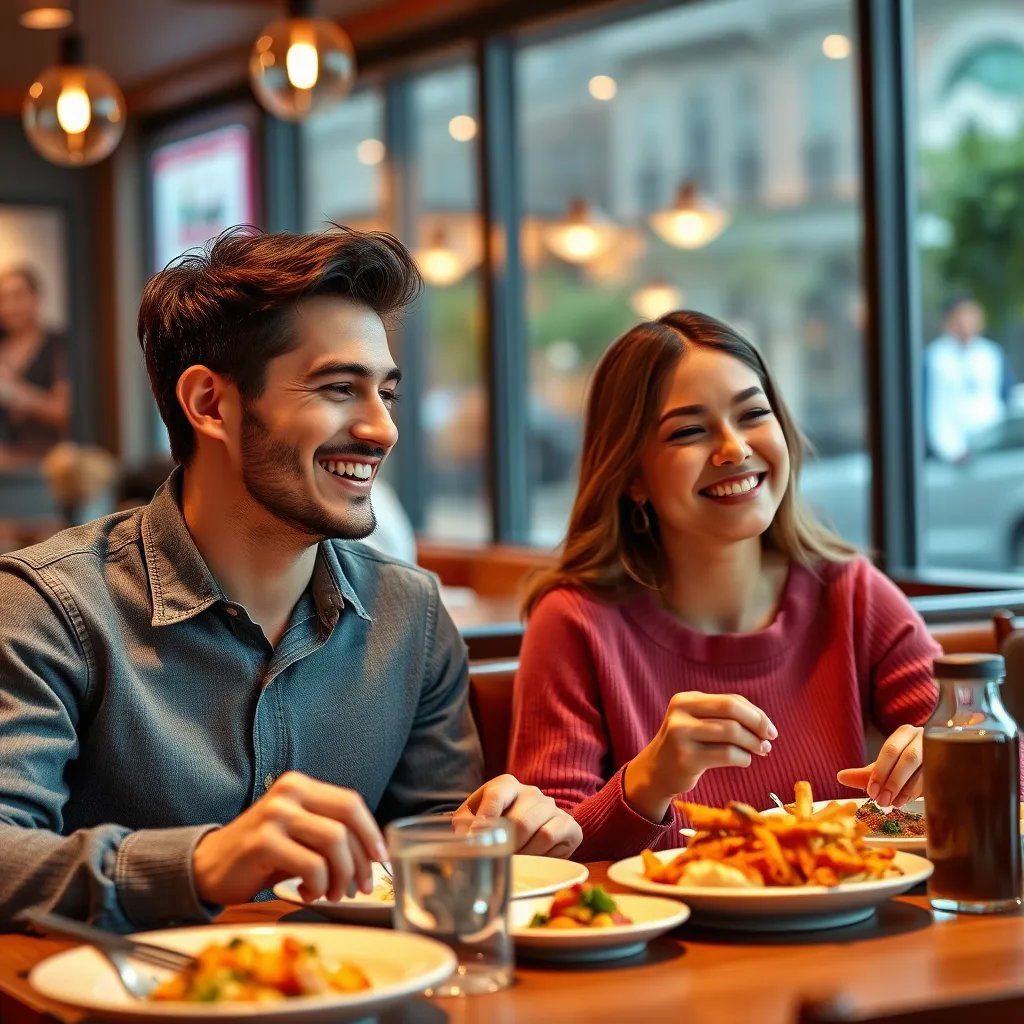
802,847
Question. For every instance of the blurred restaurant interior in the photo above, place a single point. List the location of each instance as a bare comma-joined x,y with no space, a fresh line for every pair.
823,174
840,180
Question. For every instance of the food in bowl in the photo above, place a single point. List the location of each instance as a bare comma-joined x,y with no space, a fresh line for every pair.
582,906
241,971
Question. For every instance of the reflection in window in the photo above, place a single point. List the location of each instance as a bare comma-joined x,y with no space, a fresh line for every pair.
780,272
343,159
454,416
970,100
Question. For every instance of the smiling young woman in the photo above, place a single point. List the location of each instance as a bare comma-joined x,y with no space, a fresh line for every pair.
713,638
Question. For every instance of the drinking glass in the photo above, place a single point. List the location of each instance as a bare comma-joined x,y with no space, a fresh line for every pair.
452,882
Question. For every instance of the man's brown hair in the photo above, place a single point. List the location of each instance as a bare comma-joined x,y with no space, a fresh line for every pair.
230,307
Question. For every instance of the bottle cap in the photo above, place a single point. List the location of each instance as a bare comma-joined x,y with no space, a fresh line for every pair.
969,666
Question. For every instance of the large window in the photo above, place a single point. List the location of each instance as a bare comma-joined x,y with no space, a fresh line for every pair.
614,123
447,243
970,103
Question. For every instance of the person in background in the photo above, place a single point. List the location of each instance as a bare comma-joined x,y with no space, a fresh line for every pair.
967,382
712,639
225,688
35,396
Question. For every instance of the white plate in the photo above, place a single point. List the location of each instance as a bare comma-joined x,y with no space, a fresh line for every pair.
537,876
374,908
651,917
909,844
398,965
778,908
531,876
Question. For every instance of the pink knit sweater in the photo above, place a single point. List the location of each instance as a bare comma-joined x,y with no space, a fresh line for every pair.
845,652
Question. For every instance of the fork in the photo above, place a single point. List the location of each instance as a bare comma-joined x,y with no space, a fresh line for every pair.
777,800
118,949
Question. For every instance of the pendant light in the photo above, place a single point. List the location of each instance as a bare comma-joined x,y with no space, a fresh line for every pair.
691,221
73,113
655,299
43,14
301,63
581,236
440,263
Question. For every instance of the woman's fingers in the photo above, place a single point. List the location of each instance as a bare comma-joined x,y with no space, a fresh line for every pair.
855,778
727,705
728,731
911,790
899,758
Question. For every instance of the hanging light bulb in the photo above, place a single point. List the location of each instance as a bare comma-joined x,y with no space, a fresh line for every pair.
439,263
691,221
581,236
301,63
655,299
43,14
73,114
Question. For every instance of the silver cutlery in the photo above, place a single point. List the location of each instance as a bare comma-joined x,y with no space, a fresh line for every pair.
777,800
120,950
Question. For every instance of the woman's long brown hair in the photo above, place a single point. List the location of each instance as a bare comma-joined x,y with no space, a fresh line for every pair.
604,553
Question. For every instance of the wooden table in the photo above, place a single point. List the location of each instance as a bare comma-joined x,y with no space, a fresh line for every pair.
906,955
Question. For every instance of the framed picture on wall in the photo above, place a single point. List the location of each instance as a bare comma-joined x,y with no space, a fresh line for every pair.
199,185
35,381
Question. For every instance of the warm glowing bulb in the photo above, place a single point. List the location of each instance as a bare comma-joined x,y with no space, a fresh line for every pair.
462,128
655,299
603,87
441,266
836,47
370,152
303,65
581,241
74,111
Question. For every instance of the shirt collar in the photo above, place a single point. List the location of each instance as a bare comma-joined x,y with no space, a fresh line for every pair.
181,584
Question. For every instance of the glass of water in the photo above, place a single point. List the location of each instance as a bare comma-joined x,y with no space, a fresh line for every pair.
453,883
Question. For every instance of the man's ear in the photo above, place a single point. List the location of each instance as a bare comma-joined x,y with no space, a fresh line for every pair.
211,403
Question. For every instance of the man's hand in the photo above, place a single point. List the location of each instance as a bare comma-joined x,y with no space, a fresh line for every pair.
895,777
323,834
540,827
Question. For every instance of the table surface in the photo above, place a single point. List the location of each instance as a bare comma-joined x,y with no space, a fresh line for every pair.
905,955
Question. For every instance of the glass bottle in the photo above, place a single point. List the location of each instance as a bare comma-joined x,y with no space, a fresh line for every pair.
971,789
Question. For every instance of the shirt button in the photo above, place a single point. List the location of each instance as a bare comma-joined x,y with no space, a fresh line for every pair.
268,780
231,611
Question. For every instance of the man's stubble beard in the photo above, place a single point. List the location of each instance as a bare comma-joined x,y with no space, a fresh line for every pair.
272,475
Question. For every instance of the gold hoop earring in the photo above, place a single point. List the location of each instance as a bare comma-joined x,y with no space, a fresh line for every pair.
644,525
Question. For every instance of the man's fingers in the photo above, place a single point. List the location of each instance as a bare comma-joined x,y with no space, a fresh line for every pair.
334,802
331,841
287,858
494,797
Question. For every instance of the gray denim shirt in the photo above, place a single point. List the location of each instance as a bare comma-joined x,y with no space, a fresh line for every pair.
140,706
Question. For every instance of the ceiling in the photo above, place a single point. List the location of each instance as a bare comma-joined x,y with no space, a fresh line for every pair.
145,44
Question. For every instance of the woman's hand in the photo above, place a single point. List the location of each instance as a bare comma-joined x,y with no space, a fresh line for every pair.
699,731
895,777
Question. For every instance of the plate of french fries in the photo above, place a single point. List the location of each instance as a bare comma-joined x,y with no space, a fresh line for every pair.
744,869
897,838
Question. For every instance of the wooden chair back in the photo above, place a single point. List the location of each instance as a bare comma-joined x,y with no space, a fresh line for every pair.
490,699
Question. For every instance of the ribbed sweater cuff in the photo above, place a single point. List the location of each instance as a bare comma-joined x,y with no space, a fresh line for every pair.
611,828
153,876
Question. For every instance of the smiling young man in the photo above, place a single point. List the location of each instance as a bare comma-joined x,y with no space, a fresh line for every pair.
223,689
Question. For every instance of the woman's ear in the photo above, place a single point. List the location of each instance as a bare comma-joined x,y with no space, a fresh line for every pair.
636,491
210,401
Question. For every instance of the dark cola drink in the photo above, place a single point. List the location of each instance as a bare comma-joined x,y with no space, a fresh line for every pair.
971,803
971,789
